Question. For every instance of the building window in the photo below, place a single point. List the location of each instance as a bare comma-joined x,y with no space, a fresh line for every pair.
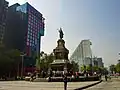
33,45
27,43
29,16
31,34
27,40
31,41
28,30
30,37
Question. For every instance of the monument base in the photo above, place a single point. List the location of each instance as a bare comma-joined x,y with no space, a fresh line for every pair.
60,67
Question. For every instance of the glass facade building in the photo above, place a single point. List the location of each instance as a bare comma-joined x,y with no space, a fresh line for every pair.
35,28
24,29
25,26
83,53
3,12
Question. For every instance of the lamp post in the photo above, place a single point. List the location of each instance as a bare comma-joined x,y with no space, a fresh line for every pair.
22,55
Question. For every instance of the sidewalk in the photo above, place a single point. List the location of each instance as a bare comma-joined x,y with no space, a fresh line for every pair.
24,85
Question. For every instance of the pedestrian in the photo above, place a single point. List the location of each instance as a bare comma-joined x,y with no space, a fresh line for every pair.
31,79
65,82
100,76
106,77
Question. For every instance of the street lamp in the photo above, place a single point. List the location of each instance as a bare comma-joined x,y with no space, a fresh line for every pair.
22,55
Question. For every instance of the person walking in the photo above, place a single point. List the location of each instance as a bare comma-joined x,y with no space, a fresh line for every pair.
31,77
65,82
106,77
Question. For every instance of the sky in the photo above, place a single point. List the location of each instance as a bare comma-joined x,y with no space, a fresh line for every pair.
97,20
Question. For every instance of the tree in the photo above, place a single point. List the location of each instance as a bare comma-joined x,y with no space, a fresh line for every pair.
118,68
75,66
8,61
112,68
95,68
101,70
105,70
39,61
88,68
44,60
82,68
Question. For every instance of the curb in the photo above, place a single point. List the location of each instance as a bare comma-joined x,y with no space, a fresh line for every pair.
84,87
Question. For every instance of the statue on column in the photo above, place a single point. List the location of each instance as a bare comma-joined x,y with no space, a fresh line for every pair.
61,33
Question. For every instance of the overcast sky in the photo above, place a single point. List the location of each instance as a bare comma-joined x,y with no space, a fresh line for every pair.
97,20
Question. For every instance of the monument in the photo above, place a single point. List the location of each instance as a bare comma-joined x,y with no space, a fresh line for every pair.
61,62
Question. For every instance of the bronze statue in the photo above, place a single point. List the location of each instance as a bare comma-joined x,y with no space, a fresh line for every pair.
61,33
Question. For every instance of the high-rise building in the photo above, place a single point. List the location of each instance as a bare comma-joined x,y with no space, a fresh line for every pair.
100,62
3,12
83,53
86,47
25,26
95,62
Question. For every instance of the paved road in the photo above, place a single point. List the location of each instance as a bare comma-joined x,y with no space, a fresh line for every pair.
113,84
24,85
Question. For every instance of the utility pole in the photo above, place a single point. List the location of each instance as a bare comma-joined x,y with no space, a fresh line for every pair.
22,55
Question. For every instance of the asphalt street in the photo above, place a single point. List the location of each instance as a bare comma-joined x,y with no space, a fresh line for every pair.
113,84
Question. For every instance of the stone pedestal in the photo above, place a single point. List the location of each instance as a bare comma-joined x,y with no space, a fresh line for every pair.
61,62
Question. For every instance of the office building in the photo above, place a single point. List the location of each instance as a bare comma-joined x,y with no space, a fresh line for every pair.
3,12
83,53
100,62
95,62
25,27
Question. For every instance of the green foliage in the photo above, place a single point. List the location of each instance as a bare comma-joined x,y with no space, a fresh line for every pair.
95,68
44,60
117,68
38,63
92,68
112,68
9,60
88,68
75,66
82,68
